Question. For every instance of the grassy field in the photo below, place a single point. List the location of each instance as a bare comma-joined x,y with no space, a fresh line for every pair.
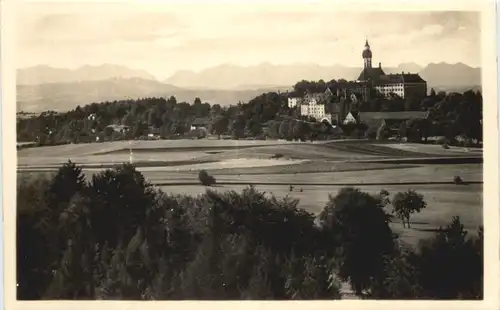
164,152
170,162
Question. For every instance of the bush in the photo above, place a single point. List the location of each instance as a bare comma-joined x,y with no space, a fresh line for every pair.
458,180
205,178
442,141
371,133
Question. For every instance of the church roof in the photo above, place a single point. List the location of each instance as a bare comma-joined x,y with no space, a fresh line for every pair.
371,73
400,78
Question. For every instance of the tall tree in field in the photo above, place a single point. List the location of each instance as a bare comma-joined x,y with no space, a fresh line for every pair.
407,203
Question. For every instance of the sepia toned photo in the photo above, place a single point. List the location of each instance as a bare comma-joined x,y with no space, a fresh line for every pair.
258,152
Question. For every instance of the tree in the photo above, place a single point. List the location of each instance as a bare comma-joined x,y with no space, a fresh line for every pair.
254,127
407,203
35,262
219,125
283,129
363,236
399,279
441,261
237,127
172,100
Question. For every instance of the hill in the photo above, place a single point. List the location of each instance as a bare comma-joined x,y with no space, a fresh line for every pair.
66,96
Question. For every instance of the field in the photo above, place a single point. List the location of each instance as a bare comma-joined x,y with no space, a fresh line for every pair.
315,170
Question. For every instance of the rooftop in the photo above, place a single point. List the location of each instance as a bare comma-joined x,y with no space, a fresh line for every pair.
392,115
401,78
371,74
200,121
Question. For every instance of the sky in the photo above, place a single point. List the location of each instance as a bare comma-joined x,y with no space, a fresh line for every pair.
165,38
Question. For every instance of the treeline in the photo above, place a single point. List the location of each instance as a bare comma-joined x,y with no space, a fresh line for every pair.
166,118
83,124
451,115
115,236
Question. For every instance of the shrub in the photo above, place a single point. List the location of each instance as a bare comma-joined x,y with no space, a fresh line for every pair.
277,156
371,133
205,178
442,141
458,180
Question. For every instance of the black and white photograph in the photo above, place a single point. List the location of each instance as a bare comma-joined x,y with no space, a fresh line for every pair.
215,151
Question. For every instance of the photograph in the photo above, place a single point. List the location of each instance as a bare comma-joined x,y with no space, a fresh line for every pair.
268,152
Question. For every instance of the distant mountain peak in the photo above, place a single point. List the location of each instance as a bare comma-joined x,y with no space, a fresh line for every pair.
43,74
228,76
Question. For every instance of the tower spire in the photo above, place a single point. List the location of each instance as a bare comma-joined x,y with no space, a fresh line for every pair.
367,55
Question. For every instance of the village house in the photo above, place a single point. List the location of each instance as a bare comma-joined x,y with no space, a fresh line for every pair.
294,102
351,118
200,123
314,105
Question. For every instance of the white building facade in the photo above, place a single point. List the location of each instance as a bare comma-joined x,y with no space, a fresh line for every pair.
313,109
294,102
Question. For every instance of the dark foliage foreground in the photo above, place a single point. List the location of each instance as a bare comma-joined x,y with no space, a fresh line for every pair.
117,237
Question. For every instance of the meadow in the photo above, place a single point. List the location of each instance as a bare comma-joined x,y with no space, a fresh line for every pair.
315,170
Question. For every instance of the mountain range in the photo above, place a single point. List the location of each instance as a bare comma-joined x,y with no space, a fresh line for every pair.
45,74
41,88
66,96
231,76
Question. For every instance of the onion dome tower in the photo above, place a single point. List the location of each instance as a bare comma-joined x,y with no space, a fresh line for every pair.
367,56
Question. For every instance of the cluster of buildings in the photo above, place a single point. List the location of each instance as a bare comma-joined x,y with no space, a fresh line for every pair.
336,109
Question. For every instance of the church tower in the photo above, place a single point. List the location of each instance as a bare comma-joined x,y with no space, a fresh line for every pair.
367,56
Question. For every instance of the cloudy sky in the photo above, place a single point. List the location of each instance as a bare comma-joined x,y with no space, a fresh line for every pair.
163,39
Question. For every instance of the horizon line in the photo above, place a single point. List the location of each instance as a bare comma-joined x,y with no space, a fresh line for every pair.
240,66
